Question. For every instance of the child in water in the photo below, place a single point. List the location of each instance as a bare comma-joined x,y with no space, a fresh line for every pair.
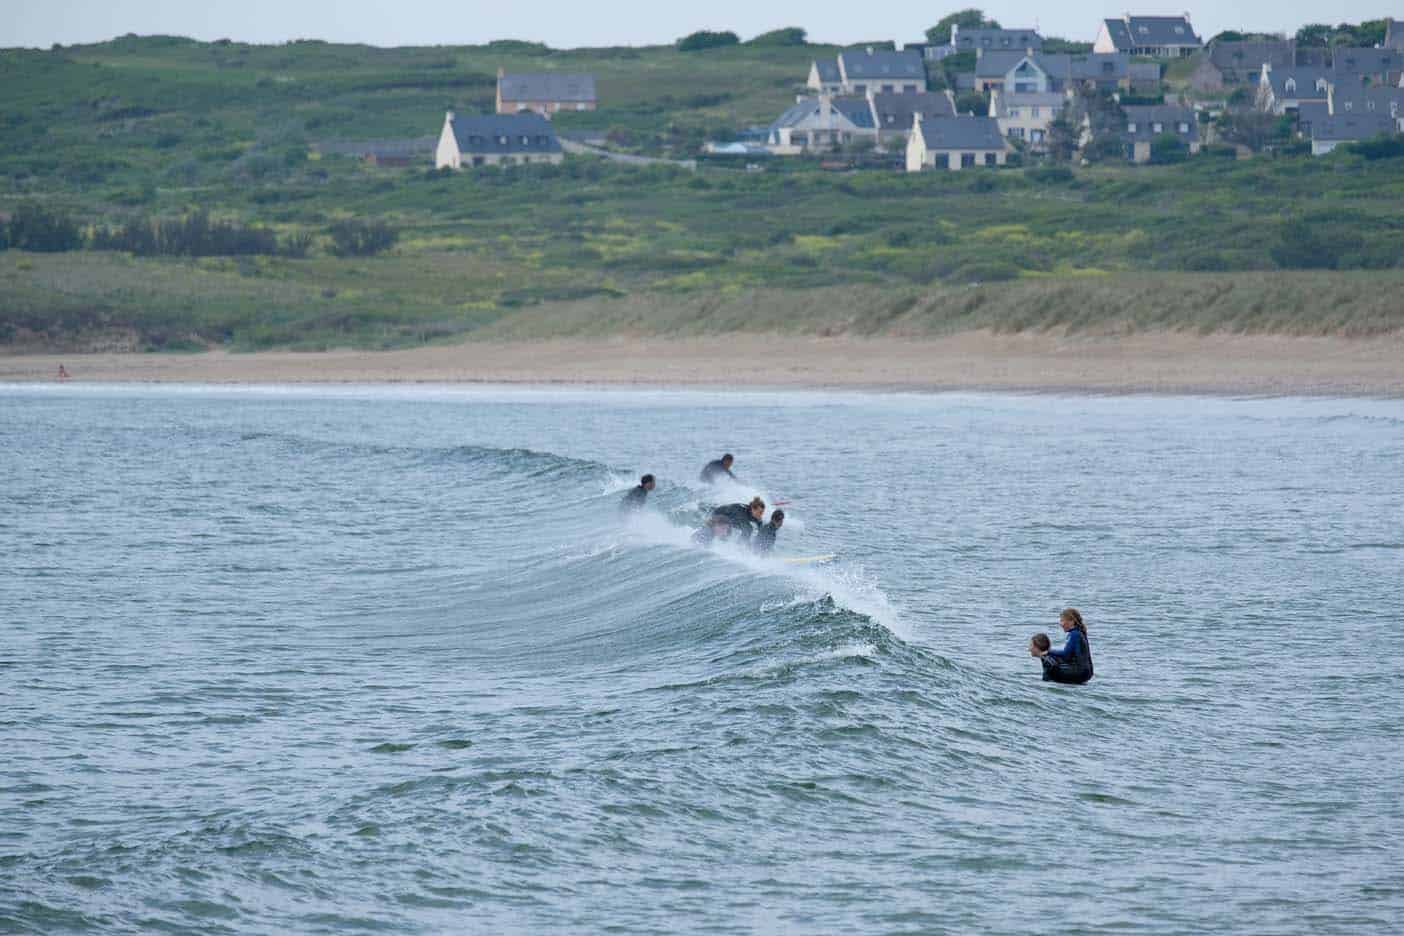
1073,663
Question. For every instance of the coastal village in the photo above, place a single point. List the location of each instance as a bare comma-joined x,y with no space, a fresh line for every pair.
1148,89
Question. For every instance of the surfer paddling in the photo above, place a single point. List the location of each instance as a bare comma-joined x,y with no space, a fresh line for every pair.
742,517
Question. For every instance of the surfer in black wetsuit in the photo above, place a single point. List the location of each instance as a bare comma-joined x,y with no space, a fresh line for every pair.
765,536
634,500
742,517
716,469
1073,663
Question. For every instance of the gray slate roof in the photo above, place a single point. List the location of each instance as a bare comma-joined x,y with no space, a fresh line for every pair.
1306,79
547,86
855,109
894,111
1311,111
1145,117
380,149
1352,127
1143,71
962,133
1251,56
1373,100
485,134
1105,66
828,71
1017,40
1136,31
1353,61
878,64
1394,34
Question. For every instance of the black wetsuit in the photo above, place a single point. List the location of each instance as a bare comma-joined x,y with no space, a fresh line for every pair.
1072,664
765,538
634,500
739,516
714,470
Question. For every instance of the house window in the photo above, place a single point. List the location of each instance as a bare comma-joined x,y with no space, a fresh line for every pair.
1321,84
1143,30
1014,113
477,160
989,159
581,107
1179,30
1016,132
1349,105
1036,136
967,160
1157,128
1184,127
1131,127
1290,86
502,141
860,89
1108,68
1036,110
887,89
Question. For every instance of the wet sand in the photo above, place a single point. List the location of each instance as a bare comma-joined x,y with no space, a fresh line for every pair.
1144,363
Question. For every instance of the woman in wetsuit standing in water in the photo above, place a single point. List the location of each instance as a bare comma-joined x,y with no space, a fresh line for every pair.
1073,663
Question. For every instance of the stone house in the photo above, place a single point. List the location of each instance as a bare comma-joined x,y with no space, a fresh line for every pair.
1155,36
496,140
545,93
1225,65
955,143
1026,116
1284,89
820,124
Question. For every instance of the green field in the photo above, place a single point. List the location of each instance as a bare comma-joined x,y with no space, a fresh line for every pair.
159,127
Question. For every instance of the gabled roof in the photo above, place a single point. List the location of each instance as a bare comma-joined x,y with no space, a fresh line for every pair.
1017,40
1136,31
1353,61
1103,66
1306,80
962,133
1143,71
894,111
1347,127
1311,111
998,64
854,109
547,86
1374,100
526,132
828,71
1252,55
878,64
1145,117
1394,34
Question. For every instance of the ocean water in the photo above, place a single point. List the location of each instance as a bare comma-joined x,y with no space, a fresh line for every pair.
384,659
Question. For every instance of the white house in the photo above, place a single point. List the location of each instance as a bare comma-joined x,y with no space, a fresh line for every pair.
1157,36
496,139
1026,116
955,143
1285,89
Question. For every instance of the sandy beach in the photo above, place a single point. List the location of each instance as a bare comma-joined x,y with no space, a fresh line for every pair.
1144,363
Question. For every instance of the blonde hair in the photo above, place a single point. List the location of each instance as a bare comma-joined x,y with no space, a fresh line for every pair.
1075,616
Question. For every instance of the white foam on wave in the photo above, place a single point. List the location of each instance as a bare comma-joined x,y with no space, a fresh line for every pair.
846,583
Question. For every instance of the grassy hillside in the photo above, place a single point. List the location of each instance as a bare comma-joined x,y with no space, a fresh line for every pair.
159,127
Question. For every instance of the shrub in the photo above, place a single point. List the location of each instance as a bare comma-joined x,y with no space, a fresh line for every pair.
789,36
353,238
1049,175
1381,147
34,227
1300,247
705,39
1167,149
984,271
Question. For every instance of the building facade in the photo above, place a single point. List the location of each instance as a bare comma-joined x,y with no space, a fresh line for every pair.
496,140
546,93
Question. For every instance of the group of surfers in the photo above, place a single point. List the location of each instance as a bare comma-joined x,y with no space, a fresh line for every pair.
745,520
1070,664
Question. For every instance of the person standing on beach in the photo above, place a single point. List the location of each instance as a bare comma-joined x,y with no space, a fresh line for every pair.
638,494
715,469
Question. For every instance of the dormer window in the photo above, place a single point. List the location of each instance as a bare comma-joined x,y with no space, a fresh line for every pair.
1184,127
1321,84
1349,105
1157,127
1131,126
502,140
1143,30
1290,86
1179,30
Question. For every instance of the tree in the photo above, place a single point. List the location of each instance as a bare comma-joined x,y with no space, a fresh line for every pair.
1253,129
352,238
1063,137
704,39
789,36
1315,35
1299,247
34,227
940,34
1168,148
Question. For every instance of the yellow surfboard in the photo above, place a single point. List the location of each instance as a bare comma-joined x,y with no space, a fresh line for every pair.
809,560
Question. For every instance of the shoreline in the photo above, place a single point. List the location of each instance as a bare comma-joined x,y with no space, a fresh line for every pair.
1165,363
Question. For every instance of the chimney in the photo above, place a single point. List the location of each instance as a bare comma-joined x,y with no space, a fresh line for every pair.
448,117
501,72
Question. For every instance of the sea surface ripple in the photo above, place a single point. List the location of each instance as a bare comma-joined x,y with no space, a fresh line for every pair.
385,659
